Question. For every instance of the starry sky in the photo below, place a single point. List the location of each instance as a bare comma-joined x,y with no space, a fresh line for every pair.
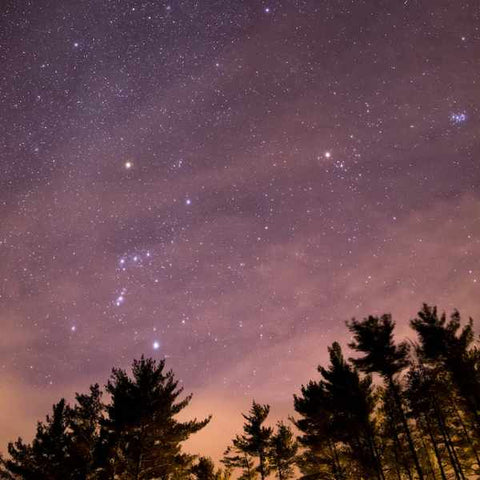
224,183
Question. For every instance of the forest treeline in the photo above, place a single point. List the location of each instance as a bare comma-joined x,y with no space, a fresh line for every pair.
395,411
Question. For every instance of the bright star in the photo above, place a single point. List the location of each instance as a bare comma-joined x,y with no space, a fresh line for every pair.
188,201
267,10
328,154
156,345
128,165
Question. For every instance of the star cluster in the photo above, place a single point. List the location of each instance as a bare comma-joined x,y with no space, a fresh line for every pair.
224,184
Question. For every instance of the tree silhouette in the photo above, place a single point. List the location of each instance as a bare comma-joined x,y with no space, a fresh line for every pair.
373,337
135,436
283,451
445,343
141,425
339,408
84,425
426,404
254,442
204,469
422,422
235,458
50,454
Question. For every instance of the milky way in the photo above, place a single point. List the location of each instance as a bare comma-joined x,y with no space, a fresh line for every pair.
224,183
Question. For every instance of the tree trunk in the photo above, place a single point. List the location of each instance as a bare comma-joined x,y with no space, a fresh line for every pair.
398,450
452,446
465,431
411,445
447,445
429,461
247,464
138,469
337,468
261,460
435,449
374,452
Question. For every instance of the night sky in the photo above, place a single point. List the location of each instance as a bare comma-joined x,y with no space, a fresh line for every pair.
224,184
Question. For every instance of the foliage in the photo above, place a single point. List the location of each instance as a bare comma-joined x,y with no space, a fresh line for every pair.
135,436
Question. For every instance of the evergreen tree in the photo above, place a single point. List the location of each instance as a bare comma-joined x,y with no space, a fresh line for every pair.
283,451
49,456
204,469
423,393
322,455
84,424
337,411
254,442
444,343
374,338
143,436
397,462
135,437
234,458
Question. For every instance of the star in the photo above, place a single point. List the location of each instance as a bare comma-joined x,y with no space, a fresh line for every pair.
188,201
457,118
128,165
156,345
327,154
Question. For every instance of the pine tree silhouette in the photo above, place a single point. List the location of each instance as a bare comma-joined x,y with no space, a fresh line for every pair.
373,337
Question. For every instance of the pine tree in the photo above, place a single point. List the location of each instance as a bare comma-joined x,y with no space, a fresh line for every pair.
49,456
397,461
204,469
352,404
84,421
322,455
283,451
444,343
423,393
234,458
143,436
374,338
340,408
254,442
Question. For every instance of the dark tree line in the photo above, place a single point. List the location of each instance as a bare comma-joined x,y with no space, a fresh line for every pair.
420,421
395,411
135,436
